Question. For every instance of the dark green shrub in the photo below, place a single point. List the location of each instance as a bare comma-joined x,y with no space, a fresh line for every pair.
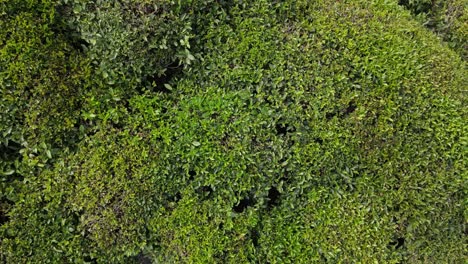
132,42
311,131
41,77
453,25
419,6
448,19
133,46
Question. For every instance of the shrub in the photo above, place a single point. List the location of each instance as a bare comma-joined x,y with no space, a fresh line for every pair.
294,139
453,25
449,19
132,42
41,75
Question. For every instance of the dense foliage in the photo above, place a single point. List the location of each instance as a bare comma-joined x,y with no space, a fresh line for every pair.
447,18
139,131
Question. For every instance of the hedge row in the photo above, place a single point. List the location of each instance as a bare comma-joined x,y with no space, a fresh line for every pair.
303,132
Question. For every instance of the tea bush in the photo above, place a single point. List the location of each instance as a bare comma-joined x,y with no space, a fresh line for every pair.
133,42
53,89
41,79
305,132
41,74
449,19
453,25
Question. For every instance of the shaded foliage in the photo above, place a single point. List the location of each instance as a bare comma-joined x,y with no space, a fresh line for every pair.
447,18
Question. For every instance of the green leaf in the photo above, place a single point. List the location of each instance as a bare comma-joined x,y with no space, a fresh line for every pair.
10,172
168,86
49,155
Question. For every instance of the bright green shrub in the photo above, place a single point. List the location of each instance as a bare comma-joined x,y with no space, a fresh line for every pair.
310,131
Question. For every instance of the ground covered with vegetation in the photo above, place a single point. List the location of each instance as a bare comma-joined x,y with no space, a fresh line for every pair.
211,131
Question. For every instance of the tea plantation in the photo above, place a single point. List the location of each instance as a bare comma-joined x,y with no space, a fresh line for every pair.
215,131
